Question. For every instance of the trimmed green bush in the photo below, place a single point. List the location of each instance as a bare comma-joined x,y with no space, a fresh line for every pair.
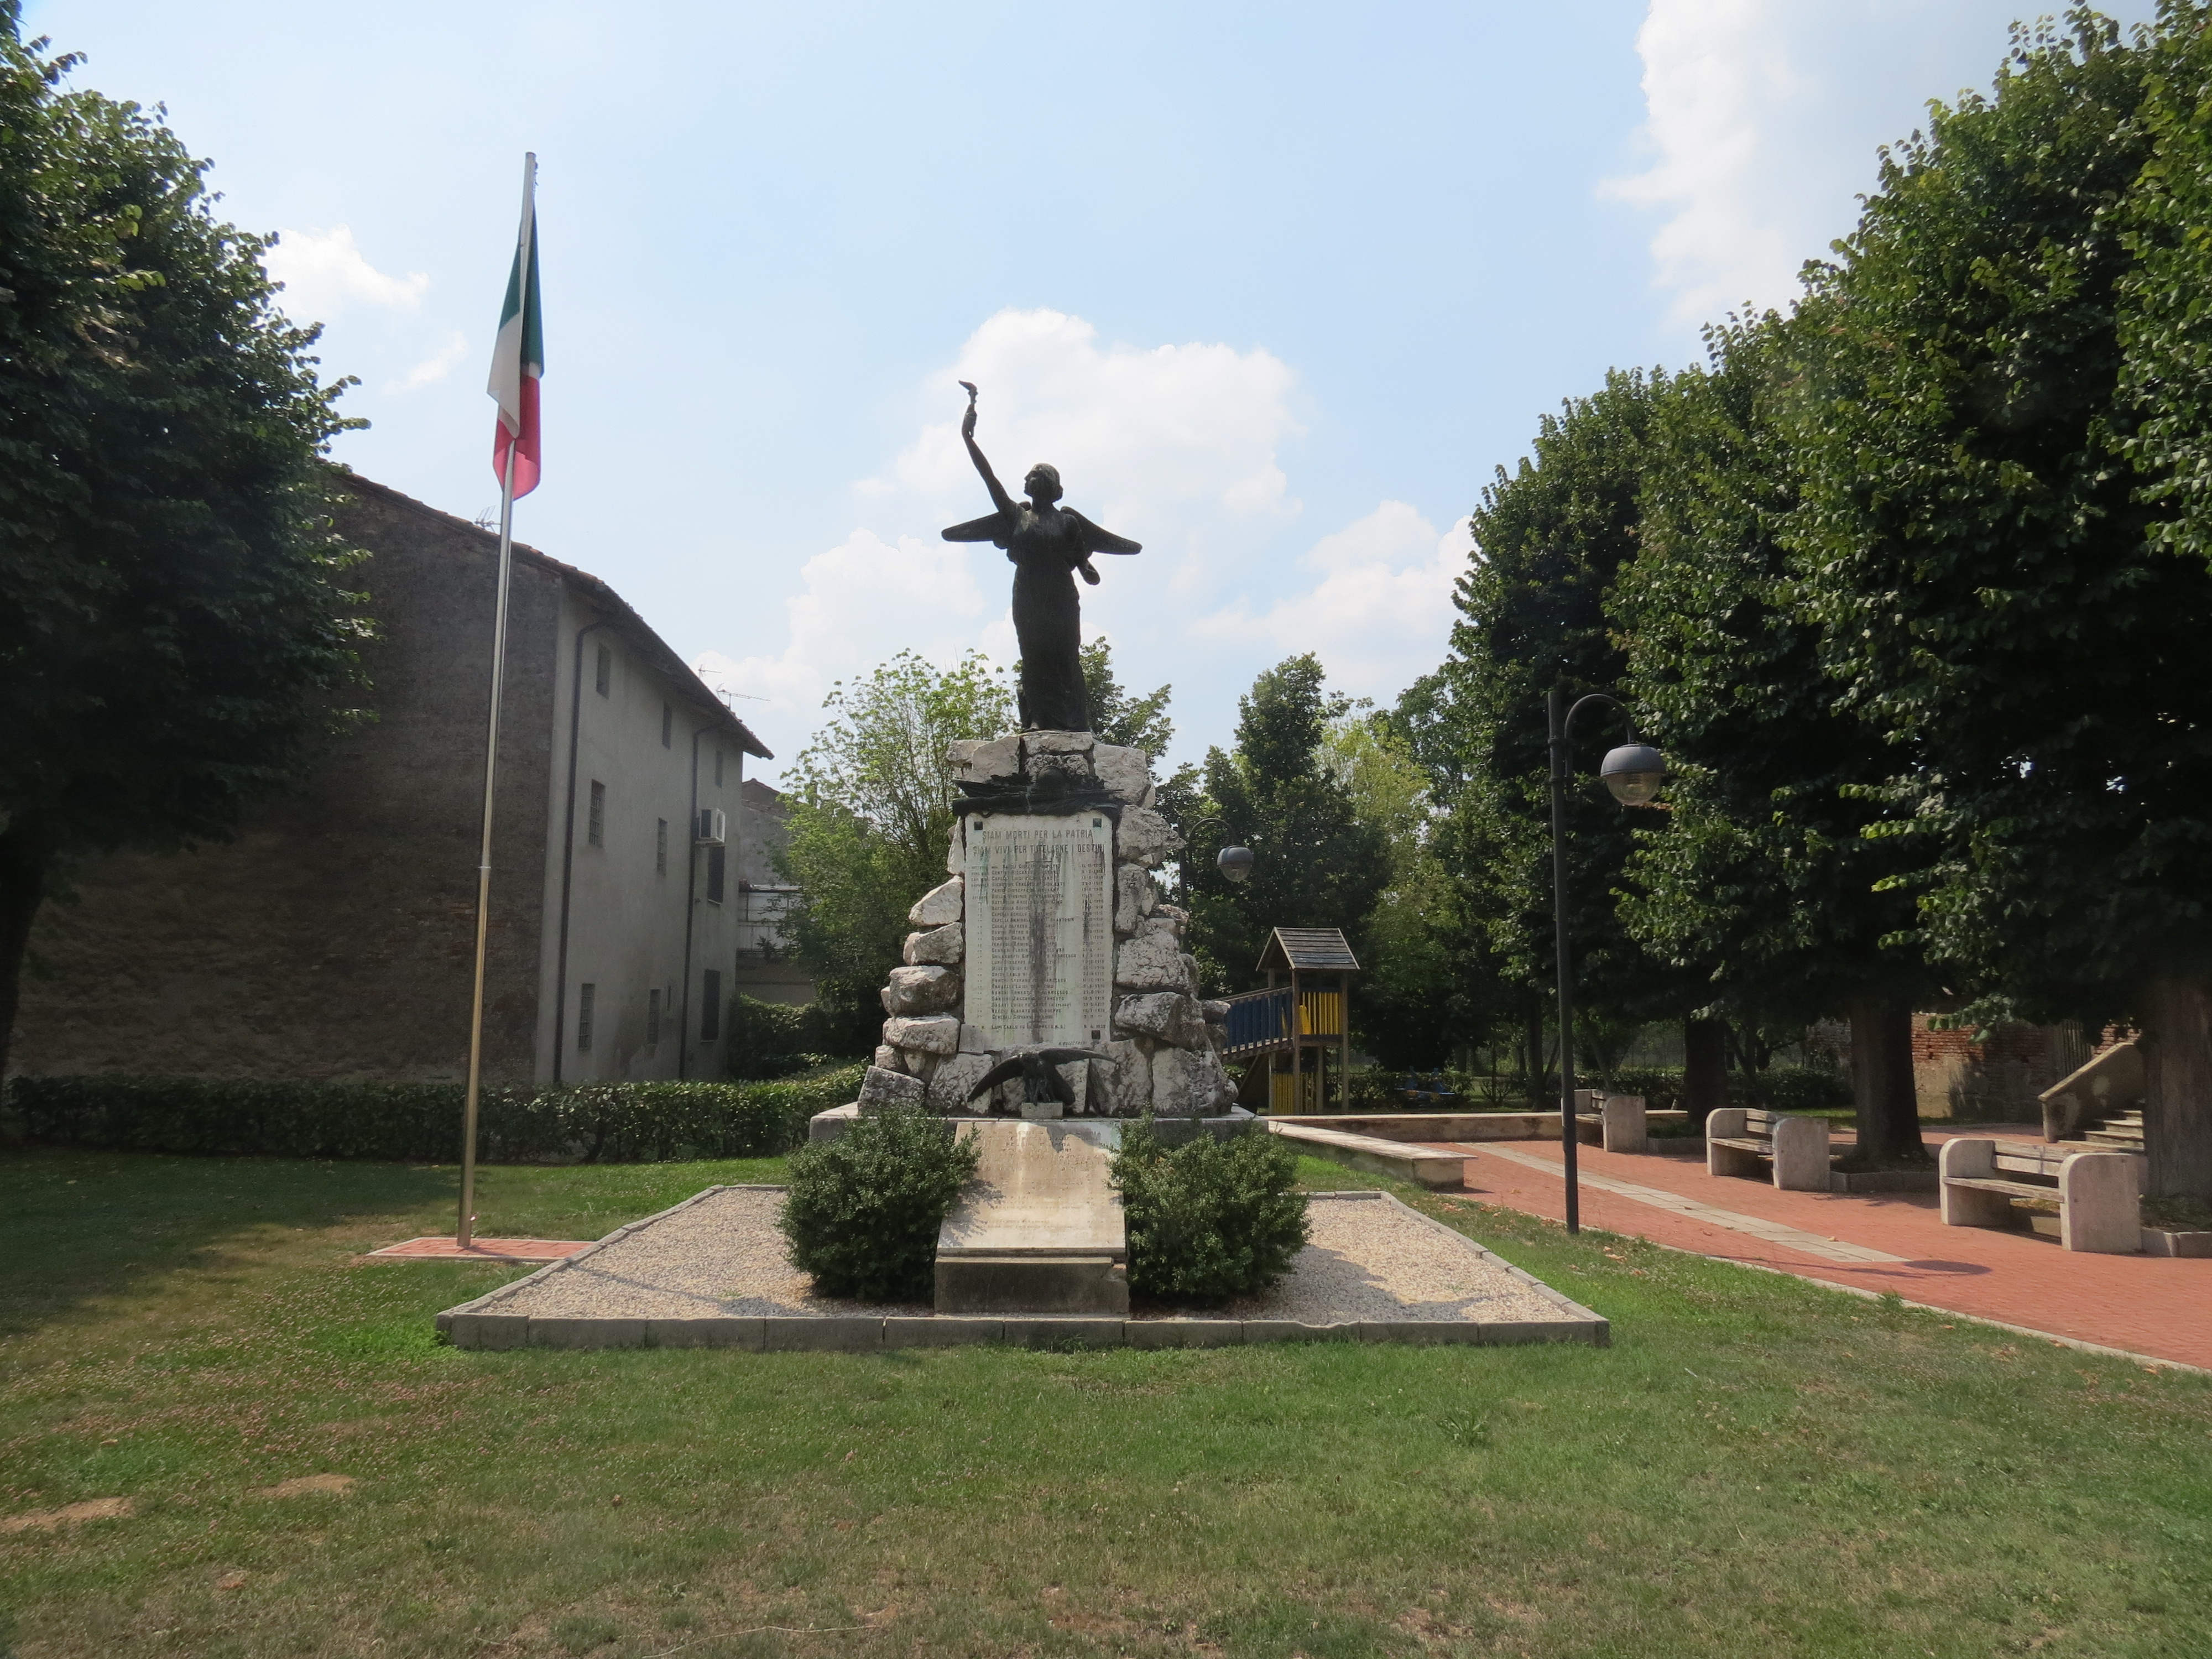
420,1122
1210,1219
862,1211
777,1039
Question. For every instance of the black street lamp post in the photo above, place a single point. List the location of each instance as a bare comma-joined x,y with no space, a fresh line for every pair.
1633,773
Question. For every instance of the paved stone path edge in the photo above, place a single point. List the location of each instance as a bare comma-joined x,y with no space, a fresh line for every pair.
479,1324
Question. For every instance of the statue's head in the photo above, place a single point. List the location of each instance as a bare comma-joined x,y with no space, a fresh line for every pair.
1043,483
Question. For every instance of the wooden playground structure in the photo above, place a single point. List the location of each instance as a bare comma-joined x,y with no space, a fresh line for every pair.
1302,1020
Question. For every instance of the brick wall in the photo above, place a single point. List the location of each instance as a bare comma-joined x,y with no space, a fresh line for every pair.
333,938
1998,1079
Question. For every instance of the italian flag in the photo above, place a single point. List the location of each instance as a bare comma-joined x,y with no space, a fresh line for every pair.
518,360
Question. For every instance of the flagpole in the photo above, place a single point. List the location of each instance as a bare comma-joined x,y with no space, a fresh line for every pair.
522,294
484,857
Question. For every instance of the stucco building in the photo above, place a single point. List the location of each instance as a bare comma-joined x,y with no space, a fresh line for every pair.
333,937
766,969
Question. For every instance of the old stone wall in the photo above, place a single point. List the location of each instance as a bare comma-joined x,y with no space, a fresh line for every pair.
333,937
1999,1078
1163,1053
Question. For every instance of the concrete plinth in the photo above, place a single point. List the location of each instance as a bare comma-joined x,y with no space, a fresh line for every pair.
1031,1284
1040,1230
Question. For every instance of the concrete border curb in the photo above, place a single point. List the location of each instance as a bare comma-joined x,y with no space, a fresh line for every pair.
481,1325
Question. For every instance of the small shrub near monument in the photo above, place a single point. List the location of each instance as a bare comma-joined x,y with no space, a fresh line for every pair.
1210,1219
862,1211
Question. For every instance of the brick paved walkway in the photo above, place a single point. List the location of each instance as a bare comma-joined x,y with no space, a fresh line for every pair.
2147,1305
484,1249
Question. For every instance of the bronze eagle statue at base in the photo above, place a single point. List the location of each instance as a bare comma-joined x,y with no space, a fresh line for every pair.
1037,1068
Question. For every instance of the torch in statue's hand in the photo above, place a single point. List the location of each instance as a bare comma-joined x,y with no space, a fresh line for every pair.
967,421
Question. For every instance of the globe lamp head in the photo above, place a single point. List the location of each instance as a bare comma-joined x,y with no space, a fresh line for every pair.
1634,772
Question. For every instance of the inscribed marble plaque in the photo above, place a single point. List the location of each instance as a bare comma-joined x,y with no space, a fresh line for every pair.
1040,928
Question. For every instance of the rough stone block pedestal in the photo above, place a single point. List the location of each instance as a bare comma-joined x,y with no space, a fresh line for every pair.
1172,1131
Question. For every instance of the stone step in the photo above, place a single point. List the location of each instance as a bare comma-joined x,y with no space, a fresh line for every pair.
971,1283
2131,1138
1423,1166
1040,1229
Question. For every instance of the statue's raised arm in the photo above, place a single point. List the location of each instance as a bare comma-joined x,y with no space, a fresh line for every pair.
998,526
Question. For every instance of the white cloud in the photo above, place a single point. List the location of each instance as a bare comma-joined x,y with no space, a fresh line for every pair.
1173,445
324,272
435,367
859,605
1722,93
1763,117
1380,611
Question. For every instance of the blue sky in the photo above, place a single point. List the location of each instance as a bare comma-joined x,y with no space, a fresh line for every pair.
1275,286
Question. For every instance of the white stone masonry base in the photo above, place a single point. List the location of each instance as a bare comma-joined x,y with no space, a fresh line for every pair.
1165,1044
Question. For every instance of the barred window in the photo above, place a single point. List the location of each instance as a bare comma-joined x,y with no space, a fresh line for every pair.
587,996
717,867
710,1005
667,726
596,830
660,847
606,672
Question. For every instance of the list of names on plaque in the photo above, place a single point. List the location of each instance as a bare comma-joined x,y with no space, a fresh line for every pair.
1040,896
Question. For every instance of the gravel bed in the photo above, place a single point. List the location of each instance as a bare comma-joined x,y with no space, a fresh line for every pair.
1373,1261
722,1255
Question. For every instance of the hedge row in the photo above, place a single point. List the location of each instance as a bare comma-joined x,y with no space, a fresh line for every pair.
420,1122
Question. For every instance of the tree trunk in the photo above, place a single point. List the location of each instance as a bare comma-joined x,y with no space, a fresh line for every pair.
1704,1066
1532,1036
1882,1089
23,858
2177,1044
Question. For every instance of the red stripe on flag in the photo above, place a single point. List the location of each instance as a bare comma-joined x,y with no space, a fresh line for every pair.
525,445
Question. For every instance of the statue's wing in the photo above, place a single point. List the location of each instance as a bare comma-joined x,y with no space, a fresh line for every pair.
1005,1071
994,527
1095,540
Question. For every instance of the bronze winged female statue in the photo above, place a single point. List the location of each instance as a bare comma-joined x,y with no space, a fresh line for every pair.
1047,543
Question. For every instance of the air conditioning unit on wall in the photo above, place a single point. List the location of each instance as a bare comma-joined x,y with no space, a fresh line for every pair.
713,827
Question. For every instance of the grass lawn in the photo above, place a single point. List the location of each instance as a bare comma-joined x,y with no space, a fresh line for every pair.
1756,1466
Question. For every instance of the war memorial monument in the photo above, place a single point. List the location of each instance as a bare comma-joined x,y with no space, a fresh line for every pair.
1043,999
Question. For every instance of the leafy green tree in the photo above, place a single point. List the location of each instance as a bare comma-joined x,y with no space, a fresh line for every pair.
2165,327
1117,717
173,624
1316,863
1760,883
1406,1008
1992,588
1551,538
871,818
1135,722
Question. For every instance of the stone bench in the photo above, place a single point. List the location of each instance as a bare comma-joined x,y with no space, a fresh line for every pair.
1424,1166
2099,1194
1741,1139
1618,1123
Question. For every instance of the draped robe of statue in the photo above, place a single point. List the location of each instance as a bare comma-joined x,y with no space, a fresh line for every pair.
1047,543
